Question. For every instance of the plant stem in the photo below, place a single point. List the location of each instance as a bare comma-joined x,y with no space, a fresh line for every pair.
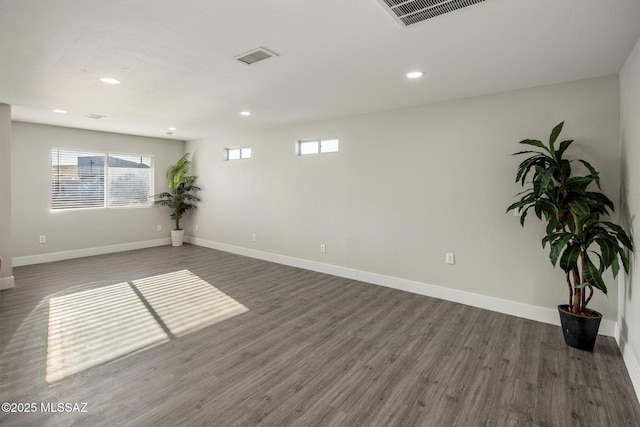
589,298
578,300
577,295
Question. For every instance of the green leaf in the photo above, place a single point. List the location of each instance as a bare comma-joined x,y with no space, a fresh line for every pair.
624,258
517,205
563,147
535,143
554,135
592,171
593,276
580,207
544,241
609,251
543,183
557,246
615,266
569,258
526,152
600,199
620,234
552,224
523,215
525,167
577,183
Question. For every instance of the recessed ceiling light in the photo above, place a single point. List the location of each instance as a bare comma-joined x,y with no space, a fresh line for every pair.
172,128
110,80
59,111
414,74
245,113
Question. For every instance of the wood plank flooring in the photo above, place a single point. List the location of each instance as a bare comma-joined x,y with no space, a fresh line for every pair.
310,350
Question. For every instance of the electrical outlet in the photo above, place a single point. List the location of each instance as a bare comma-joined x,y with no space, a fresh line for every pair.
450,258
158,227
253,237
517,212
197,227
323,248
43,239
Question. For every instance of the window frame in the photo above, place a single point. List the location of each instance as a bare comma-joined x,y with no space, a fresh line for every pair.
227,150
106,156
301,142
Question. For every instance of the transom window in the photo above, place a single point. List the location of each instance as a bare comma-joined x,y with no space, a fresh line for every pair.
237,153
317,146
86,179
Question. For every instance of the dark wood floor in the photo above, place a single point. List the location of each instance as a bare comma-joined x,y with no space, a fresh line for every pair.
294,347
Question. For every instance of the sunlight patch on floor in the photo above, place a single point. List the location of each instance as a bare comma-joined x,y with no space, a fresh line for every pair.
91,327
185,302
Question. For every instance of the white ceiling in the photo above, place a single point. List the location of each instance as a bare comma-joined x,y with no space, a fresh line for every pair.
336,58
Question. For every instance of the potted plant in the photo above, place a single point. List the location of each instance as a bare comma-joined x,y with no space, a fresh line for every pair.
584,244
181,196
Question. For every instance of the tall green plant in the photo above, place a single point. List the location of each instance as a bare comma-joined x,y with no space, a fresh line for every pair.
584,244
181,196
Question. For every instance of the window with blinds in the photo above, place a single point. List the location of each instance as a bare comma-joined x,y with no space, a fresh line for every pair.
84,179
130,179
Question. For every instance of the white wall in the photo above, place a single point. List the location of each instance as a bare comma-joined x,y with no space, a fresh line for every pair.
629,309
410,185
77,232
6,275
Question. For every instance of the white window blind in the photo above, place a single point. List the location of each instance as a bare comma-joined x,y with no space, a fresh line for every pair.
80,179
130,180
77,179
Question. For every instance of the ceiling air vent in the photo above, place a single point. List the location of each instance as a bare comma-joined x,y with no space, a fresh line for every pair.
256,55
409,12
95,116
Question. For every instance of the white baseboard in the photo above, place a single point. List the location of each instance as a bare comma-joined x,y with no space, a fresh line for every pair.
6,283
630,361
531,312
79,253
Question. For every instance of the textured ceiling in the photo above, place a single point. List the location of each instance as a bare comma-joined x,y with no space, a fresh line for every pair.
336,58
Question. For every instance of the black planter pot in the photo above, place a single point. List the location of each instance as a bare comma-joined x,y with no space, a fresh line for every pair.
579,331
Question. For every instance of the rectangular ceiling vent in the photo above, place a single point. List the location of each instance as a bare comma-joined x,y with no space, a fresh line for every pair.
256,55
409,12
95,116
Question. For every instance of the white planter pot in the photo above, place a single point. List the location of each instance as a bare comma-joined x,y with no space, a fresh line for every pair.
177,237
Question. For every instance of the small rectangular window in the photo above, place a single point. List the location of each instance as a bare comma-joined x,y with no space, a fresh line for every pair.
316,146
233,154
329,145
237,153
308,147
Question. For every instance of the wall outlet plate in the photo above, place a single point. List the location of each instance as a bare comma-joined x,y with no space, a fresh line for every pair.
450,258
